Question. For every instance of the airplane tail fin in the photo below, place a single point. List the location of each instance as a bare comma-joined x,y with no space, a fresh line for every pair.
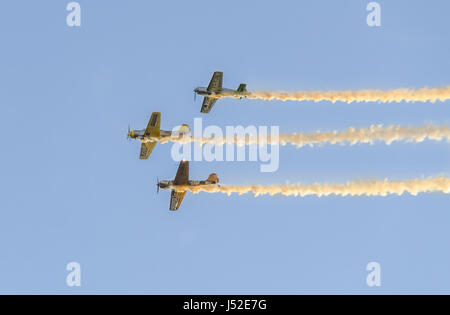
184,129
181,131
242,87
213,178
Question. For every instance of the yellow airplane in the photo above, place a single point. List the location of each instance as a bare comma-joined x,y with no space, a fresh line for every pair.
181,182
152,134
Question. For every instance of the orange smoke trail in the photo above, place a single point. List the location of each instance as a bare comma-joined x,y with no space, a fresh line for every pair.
353,188
349,96
351,135
369,135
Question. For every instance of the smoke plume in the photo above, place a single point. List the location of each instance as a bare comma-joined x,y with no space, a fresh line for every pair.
353,188
351,136
349,96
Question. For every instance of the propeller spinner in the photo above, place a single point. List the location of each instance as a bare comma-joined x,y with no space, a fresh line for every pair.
129,132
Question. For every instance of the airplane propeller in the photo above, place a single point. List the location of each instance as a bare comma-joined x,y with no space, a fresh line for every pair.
157,185
195,96
128,134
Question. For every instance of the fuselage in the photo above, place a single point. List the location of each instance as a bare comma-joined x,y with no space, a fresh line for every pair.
203,91
169,184
142,137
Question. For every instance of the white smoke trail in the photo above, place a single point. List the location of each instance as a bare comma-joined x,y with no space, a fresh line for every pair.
353,188
349,96
351,135
369,135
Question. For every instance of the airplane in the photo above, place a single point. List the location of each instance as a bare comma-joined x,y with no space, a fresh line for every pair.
152,134
181,181
215,91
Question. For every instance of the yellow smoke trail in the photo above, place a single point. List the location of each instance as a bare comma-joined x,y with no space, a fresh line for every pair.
351,135
349,96
369,135
353,188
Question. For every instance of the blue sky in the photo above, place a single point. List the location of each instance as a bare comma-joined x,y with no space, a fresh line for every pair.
73,188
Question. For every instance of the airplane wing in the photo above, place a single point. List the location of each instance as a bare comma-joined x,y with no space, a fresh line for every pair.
154,125
146,149
182,177
176,197
216,81
208,103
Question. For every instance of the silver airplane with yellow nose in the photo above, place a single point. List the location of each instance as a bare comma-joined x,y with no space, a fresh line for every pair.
214,91
181,184
153,134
